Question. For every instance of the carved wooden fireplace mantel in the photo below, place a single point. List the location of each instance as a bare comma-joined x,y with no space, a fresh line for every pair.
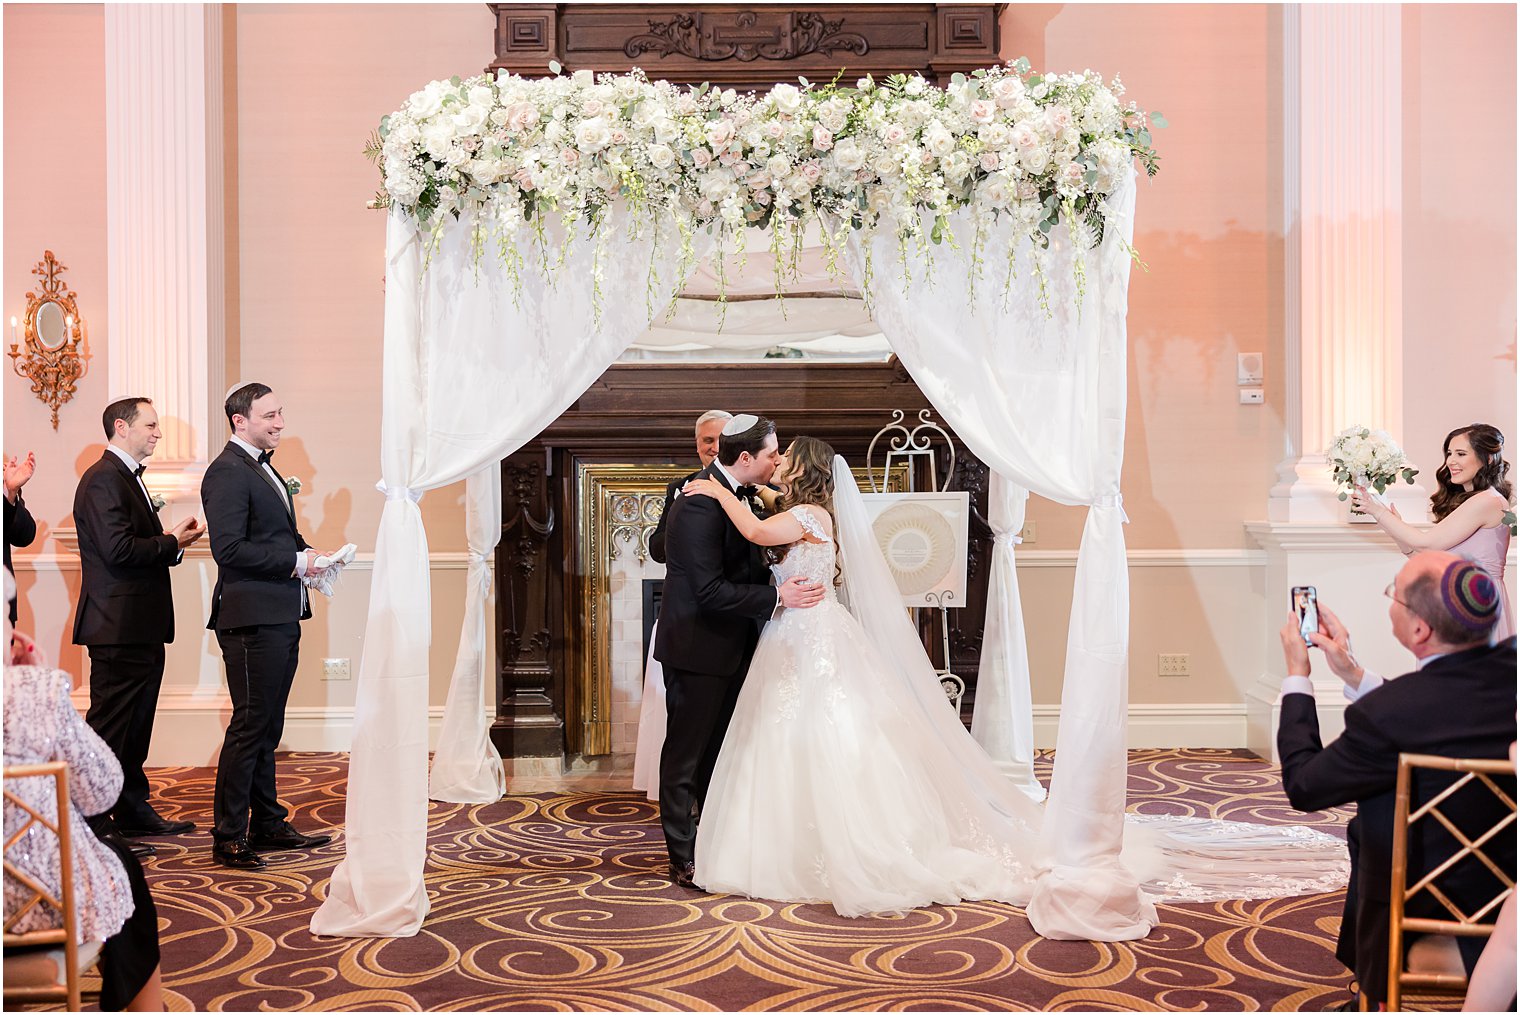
744,46
580,494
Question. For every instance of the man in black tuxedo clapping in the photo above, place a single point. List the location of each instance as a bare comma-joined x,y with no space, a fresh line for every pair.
126,607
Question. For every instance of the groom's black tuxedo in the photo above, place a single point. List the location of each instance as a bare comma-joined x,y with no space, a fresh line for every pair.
716,588
256,611
716,598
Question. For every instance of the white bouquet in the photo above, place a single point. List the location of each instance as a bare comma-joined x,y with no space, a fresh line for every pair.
1361,456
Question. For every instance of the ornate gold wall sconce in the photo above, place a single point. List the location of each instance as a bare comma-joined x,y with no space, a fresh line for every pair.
50,357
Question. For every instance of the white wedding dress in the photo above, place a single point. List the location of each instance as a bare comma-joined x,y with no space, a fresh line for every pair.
845,777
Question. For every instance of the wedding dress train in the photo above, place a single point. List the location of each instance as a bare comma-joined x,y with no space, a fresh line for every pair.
845,778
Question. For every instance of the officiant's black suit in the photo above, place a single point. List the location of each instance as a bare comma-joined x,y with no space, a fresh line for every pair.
716,598
256,611
124,620
1460,705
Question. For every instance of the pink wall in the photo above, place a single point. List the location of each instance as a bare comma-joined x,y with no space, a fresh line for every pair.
1459,225
1197,462
55,199
313,81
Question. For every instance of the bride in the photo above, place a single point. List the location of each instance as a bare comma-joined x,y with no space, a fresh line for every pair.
845,778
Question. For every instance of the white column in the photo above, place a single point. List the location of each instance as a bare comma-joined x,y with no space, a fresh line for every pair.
1342,207
164,237
1343,331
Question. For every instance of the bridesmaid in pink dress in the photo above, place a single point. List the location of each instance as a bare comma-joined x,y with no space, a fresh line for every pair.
1470,506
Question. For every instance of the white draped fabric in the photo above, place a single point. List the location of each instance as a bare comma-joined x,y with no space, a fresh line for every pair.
472,373
1003,721
473,370
1041,399
467,768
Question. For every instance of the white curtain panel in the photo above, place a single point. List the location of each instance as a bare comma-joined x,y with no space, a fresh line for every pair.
1003,720
467,767
1041,399
473,370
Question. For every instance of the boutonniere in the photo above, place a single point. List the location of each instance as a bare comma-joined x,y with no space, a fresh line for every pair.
293,485
157,500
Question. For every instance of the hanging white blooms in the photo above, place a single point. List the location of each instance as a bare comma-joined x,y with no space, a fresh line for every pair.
1036,150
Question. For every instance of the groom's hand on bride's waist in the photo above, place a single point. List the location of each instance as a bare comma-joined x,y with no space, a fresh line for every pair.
798,593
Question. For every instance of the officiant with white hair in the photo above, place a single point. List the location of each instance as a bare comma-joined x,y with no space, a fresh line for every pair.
256,611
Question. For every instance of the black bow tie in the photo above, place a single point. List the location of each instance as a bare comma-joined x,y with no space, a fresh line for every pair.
746,492
140,470
265,457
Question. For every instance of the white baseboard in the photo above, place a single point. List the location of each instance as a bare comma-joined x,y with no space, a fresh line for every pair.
188,728
1186,725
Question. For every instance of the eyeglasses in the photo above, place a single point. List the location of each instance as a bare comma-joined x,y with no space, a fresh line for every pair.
1389,593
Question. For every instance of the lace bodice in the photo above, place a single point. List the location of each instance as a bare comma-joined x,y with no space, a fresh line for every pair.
814,561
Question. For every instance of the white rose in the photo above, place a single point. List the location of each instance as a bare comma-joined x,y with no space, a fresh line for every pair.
728,98
686,105
628,88
1035,159
994,135
1071,176
661,157
989,161
470,119
995,191
778,166
955,166
1025,137
456,157
983,111
593,107
437,137
592,135
895,134
939,141
1006,91
716,186
848,155
720,133
775,130
583,79
915,85
666,130
786,98
885,166
428,102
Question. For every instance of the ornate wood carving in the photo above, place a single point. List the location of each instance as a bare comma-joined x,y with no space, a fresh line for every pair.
529,717
747,36
641,415
747,47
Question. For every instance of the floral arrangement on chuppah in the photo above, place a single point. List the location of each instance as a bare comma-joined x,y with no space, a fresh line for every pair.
1042,151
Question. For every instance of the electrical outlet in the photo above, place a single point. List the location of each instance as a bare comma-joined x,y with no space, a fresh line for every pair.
1173,664
335,669
1252,396
1028,533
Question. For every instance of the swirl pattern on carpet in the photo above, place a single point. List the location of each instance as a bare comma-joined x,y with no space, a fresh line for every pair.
558,902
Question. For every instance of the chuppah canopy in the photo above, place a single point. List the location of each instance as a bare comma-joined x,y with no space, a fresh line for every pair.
991,233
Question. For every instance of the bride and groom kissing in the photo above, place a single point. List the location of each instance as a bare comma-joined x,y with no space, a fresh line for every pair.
808,732
811,737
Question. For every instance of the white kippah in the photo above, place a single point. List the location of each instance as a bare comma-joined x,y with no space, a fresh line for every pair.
739,424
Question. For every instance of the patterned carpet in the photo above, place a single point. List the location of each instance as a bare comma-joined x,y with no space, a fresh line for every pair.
554,902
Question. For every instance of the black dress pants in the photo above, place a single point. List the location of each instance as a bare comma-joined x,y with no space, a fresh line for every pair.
698,707
261,664
124,685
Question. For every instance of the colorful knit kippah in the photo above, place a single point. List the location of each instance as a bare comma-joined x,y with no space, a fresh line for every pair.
1470,595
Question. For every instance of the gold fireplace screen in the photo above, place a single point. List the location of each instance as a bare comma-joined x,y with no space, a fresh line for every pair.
617,509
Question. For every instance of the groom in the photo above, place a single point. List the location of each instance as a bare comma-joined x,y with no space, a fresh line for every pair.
717,597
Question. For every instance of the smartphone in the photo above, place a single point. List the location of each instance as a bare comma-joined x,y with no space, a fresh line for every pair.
1305,606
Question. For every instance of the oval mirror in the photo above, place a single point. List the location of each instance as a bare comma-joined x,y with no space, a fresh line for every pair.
52,329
